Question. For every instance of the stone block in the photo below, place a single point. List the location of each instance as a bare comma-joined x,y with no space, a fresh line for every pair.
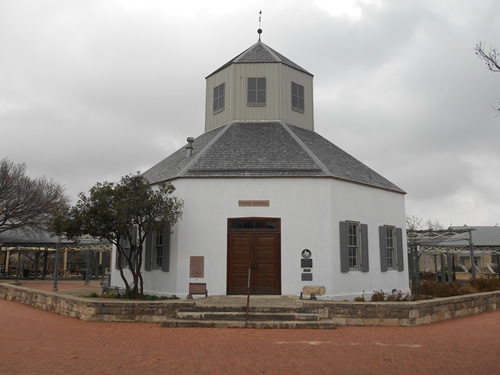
317,290
380,322
423,320
339,321
354,322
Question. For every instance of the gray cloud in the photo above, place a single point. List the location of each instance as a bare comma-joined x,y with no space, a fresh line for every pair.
90,91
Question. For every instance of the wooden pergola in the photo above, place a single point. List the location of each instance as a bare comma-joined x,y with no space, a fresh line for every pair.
37,247
445,244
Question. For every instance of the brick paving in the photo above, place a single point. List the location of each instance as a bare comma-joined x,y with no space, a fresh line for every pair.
38,342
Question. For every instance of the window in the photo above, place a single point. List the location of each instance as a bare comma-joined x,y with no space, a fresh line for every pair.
391,248
389,238
158,250
219,95
127,249
256,92
297,97
353,246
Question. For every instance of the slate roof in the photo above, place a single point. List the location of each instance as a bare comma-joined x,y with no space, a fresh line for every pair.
265,149
261,53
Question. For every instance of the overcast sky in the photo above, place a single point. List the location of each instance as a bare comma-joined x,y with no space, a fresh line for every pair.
96,89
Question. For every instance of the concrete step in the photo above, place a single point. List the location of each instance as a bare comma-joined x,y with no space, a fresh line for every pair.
282,324
241,316
256,309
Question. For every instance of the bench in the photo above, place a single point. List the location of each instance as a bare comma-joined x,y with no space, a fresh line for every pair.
197,288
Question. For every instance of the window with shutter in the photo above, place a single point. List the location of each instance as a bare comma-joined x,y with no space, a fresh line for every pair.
391,248
353,246
219,98
297,97
256,91
158,250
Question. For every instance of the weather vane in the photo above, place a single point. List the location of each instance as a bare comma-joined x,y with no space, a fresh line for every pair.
259,31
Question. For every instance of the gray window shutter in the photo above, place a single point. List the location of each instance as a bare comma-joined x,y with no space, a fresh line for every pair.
134,241
117,254
165,265
123,262
399,241
365,267
383,249
147,255
344,246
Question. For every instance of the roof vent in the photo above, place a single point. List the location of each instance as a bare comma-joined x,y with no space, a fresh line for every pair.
189,147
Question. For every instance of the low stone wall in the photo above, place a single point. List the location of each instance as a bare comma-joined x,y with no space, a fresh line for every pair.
342,313
405,313
95,309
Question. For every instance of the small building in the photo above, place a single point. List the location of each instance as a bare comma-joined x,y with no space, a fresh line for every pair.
266,196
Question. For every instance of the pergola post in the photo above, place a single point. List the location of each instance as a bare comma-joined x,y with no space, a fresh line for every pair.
498,263
450,266
473,265
56,265
7,260
443,266
436,267
87,280
65,262
18,261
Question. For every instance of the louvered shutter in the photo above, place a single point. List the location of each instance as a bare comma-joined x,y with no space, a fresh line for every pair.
344,246
399,241
165,263
383,249
117,254
134,242
365,267
147,255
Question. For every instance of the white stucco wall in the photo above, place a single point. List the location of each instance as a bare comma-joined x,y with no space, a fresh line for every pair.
310,210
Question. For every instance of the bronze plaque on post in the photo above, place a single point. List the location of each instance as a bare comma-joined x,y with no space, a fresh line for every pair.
197,267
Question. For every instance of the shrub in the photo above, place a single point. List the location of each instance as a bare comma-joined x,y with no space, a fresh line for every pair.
486,285
436,289
378,296
359,299
427,276
91,295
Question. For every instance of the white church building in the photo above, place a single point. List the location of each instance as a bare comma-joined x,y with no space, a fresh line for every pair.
264,193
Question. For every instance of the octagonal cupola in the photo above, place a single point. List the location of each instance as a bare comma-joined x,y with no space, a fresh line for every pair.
258,85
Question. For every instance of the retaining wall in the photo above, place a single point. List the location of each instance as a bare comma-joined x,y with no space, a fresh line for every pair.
342,313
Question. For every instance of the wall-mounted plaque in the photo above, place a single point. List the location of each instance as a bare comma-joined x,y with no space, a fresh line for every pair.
306,263
197,267
253,203
306,253
307,277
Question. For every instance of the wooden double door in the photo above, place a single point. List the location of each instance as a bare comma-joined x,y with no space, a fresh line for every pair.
254,244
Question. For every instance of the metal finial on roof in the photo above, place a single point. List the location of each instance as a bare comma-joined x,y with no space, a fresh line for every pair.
259,31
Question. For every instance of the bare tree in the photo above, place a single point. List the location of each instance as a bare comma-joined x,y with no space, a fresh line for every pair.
433,225
492,60
27,202
413,222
